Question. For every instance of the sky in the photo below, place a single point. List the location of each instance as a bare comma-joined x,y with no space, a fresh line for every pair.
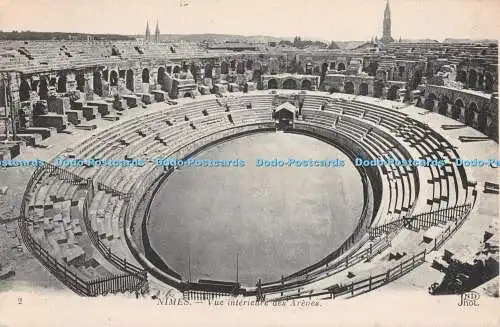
337,20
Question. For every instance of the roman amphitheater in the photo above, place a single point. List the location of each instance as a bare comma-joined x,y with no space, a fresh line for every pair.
266,233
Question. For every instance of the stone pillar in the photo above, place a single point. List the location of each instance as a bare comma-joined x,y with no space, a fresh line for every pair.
89,86
449,109
70,82
435,107
137,79
462,114
216,72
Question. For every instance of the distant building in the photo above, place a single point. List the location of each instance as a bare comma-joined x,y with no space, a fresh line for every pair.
386,36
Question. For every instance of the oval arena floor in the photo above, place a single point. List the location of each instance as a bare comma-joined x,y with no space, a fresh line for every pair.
278,220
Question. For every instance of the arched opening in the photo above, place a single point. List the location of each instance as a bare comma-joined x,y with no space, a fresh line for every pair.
341,66
472,79
272,84
443,105
392,93
488,82
145,75
188,95
224,68
363,89
333,65
43,91
161,77
208,71
416,79
3,87
195,71
256,75
429,101
24,90
97,83
290,84
249,64
240,68
105,75
457,109
469,114
372,68
461,76
481,120
129,80
80,82
113,78
233,64
169,70
349,87
401,71
378,87
177,70
306,85
480,81
61,84
53,81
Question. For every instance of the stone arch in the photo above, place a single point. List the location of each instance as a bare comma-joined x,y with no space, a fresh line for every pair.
61,83
457,109
105,75
472,79
392,93
169,70
176,69
461,76
113,78
224,68
372,68
256,75
363,89
469,113
97,83
208,71
249,64
24,90
145,75
43,90
80,82
341,66
349,87
188,95
443,105
378,87
306,85
290,84
488,82
481,119
240,68
129,80
272,84
401,71
429,101
160,79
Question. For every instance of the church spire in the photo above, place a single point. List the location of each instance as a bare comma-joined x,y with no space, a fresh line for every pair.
157,32
148,32
386,36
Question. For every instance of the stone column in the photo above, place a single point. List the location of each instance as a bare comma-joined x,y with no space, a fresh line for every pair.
89,86
70,82
435,107
137,79
449,109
